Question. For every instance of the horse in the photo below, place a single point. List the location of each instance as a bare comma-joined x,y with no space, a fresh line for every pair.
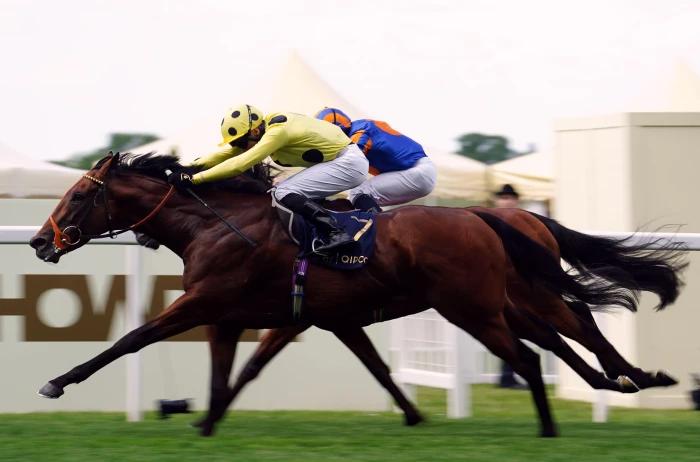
410,271
537,314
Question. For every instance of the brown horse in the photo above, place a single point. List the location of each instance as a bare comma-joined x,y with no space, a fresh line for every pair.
534,316
411,270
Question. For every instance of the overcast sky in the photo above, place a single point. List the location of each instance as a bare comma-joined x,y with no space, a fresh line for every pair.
74,71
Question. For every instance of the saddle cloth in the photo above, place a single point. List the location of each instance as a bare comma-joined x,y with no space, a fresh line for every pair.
351,256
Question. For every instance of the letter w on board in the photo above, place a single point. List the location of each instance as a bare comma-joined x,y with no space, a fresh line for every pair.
92,324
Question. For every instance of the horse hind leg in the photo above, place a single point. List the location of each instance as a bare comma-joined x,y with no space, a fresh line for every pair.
529,327
494,334
584,330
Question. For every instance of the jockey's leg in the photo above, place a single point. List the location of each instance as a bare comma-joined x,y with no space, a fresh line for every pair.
366,203
320,217
319,181
400,187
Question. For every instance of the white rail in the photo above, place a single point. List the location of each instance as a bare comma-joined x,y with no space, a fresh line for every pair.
451,375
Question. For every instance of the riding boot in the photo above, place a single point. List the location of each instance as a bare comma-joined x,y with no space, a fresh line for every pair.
366,203
320,217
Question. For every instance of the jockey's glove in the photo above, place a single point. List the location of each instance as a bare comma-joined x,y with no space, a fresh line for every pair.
180,180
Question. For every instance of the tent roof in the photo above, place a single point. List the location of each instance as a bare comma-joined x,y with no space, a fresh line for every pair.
532,175
297,87
678,90
22,176
458,176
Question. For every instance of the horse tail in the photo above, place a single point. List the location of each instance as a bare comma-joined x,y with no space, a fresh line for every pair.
537,265
636,267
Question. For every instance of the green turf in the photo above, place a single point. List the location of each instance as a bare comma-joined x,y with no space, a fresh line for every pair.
503,429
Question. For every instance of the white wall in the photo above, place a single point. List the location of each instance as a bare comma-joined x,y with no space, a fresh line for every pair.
622,173
316,372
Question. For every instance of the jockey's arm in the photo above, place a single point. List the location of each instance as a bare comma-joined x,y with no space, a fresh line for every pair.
362,140
270,142
216,157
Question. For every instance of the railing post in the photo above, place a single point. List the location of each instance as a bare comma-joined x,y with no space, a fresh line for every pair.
134,319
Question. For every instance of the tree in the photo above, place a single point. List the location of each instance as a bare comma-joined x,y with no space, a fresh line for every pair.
488,149
121,142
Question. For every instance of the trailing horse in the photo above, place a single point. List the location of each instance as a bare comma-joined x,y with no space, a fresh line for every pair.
536,314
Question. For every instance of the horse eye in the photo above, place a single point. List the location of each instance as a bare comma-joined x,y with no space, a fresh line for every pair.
77,197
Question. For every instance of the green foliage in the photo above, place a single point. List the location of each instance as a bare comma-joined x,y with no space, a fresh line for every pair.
121,142
503,429
488,149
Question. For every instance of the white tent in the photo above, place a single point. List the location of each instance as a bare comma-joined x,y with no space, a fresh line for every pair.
532,175
23,177
298,88
677,90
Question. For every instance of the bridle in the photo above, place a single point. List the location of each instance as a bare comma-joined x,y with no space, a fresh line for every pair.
72,234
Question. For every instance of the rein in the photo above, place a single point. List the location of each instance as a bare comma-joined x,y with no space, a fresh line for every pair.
64,239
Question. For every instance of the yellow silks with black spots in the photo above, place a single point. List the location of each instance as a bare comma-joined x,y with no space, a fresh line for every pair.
290,139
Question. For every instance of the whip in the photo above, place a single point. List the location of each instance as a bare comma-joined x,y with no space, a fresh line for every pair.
230,226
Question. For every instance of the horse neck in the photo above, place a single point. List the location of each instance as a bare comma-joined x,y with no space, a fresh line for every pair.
182,218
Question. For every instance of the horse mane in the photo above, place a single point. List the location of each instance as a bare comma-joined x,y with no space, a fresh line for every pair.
257,180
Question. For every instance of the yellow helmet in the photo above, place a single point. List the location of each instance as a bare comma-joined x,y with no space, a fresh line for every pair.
238,121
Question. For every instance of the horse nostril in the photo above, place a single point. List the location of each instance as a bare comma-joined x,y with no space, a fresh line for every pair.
37,242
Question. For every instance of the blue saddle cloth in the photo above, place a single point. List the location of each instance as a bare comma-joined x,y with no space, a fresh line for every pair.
354,255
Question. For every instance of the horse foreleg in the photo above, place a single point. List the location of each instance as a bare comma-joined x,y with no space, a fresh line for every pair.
223,339
359,343
182,315
272,343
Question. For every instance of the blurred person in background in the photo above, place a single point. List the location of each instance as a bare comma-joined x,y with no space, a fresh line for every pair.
333,162
508,197
402,171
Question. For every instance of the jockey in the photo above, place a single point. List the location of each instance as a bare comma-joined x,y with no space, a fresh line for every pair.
333,162
402,170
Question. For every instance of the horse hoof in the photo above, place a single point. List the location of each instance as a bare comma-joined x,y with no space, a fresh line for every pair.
206,430
627,385
664,380
552,433
198,423
413,419
50,391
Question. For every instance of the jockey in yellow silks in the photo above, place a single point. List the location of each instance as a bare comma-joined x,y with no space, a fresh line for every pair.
333,163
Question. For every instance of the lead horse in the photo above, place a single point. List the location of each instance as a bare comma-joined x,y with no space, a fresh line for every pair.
228,282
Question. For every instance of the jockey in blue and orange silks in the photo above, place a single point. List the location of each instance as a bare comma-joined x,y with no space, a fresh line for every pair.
402,171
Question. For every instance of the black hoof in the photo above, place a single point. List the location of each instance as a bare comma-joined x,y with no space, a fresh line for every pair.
198,423
50,391
551,433
662,379
206,429
627,385
413,419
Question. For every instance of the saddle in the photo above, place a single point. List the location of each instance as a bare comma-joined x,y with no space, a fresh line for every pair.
355,255
356,223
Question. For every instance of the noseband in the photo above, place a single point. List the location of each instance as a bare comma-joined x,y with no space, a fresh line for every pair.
72,234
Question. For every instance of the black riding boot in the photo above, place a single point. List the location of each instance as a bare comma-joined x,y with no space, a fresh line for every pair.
320,217
366,203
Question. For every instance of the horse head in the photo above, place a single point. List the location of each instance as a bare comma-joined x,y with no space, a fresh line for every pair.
91,209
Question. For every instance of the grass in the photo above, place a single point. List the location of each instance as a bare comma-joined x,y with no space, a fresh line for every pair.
503,429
